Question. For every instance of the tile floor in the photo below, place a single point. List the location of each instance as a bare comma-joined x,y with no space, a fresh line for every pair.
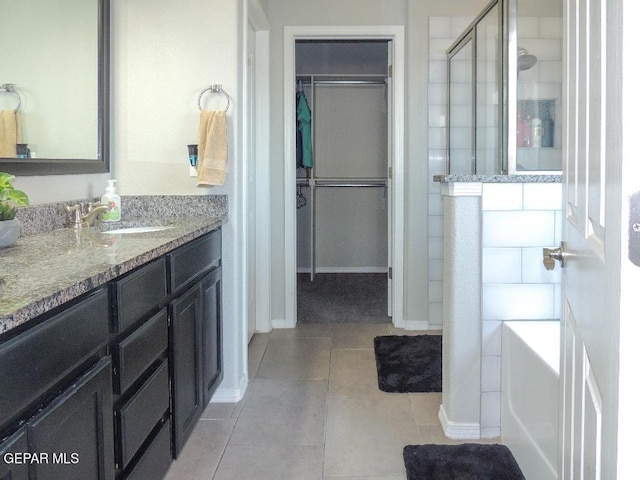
313,411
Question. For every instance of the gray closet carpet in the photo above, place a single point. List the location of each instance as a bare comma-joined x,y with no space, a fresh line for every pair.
343,298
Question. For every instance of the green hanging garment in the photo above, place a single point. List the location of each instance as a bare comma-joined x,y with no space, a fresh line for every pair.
304,127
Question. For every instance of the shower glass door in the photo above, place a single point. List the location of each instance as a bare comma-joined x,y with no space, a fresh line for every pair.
461,110
475,81
505,85
489,159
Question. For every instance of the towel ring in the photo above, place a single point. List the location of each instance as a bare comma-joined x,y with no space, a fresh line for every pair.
10,88
214,89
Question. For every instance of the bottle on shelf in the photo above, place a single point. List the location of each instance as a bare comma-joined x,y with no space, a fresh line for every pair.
520,130
548,131
536,133
526,132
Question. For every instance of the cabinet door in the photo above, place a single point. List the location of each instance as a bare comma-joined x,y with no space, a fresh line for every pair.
76,430
212,333
12,467
186,360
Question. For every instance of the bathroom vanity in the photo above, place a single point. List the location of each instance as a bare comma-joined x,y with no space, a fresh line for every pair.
108,372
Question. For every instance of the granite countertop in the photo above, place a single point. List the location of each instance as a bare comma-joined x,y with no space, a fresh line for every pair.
498,178
43,271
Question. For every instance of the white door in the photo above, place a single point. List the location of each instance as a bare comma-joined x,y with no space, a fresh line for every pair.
251,182
595,252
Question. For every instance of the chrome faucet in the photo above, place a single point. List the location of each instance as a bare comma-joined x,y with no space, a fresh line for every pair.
85,214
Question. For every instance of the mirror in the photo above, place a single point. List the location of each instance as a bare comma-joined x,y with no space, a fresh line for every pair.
55,60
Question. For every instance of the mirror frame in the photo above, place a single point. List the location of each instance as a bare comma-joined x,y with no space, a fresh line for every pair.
64,166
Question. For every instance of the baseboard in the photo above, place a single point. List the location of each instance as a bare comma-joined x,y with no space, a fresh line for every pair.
280,323
456,430
417,325
490,432
231,395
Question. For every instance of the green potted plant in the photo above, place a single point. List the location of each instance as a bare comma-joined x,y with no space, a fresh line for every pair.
10,198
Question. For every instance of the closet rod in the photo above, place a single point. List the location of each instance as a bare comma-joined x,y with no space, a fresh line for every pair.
354,183
349,82
349,182
342,79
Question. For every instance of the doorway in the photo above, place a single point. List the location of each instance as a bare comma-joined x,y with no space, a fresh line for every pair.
342,89
394,38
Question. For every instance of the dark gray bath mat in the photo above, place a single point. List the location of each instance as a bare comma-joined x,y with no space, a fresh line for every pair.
468,461
409,363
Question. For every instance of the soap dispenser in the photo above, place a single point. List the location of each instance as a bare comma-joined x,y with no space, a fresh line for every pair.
112,199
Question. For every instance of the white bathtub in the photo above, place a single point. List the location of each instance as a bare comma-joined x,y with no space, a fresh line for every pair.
530,393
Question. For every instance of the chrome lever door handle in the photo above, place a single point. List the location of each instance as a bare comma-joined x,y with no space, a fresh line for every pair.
551,255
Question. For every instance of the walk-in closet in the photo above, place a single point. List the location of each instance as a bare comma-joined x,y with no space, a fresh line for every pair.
342,196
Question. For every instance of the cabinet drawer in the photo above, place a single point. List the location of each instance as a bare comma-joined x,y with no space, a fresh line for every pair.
192,259
133,355
137,418
36,360
139,292
155,462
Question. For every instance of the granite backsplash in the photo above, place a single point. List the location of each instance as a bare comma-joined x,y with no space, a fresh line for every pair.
37,219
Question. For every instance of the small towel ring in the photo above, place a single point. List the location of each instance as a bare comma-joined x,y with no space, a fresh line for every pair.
214,89
10,88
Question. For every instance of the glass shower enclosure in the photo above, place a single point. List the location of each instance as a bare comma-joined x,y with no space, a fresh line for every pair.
502,102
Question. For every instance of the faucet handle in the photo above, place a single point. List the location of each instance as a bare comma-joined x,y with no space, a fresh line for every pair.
72,208
76,214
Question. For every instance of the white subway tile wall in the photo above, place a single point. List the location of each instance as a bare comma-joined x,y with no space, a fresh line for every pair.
492,337
518,301
491,372
518,228
490,414
502,196
519,220
501,265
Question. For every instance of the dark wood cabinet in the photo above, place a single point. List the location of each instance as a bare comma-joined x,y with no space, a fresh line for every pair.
195,333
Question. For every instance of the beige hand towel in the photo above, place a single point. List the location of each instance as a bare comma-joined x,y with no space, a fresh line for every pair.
10,133
212,148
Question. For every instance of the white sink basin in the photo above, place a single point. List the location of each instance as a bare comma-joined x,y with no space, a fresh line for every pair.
157,228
